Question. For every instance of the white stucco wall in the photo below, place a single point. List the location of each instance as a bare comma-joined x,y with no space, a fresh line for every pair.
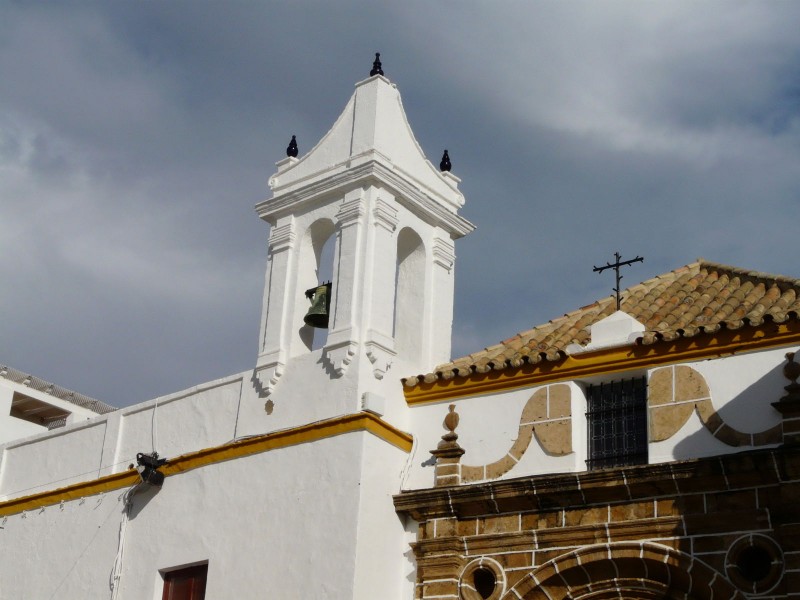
284,523
201,417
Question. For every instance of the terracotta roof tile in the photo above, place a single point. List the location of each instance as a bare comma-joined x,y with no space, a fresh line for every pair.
698,299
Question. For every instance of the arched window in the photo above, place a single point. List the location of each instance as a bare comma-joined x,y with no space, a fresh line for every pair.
409,300
315,266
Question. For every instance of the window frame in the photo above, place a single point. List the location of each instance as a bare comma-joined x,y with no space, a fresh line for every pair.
616,423
197,577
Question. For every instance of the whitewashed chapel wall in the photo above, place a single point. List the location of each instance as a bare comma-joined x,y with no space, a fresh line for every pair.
731,396
283,523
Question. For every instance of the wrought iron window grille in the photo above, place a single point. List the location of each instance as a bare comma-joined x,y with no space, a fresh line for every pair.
616,421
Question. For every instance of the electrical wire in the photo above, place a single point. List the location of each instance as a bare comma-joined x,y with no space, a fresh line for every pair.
67,478
116,571
80,556
153,430
238,408
409,462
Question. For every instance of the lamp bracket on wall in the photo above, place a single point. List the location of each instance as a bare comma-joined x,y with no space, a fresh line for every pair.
147,465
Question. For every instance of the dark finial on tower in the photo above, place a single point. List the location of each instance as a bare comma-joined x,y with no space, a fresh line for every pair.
291,149
445,165
376,66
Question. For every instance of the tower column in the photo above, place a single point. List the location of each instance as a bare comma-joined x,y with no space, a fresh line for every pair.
278,308
382,270
348,274
442,289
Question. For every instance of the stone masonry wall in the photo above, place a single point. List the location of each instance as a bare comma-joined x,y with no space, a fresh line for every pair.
716,527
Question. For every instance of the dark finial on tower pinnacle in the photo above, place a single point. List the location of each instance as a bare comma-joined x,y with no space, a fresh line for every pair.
376,66
291,150
445,165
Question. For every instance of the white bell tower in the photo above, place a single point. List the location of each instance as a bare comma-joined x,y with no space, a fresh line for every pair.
393,219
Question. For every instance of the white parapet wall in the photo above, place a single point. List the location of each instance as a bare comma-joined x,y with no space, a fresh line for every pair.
29,405
197,418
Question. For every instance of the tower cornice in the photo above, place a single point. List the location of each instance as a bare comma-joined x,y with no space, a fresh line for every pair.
372,171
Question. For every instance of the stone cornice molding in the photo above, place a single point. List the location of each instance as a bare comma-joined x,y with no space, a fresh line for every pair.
282,238
350,212
444,253
385,215
407,193
543,492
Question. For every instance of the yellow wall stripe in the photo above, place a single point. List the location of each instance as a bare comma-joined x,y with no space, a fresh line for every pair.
611,360
363,421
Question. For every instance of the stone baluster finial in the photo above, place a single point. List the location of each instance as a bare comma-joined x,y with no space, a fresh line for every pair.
377,68
789,405
292,149
445,164
448,453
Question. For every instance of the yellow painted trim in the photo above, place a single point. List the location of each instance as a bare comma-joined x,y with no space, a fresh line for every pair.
362,421
610,360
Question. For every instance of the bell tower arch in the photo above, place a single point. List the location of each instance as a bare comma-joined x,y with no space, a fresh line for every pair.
393,218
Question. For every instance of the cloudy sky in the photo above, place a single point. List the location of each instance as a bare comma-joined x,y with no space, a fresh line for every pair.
135,138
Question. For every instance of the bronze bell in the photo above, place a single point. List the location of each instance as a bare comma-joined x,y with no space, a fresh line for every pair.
317,315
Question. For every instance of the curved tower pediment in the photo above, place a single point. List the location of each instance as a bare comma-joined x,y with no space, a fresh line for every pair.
371,139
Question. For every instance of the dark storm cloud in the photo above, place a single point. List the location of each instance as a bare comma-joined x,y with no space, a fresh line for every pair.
136,137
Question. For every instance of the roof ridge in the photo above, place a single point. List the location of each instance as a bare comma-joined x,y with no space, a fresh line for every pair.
750,275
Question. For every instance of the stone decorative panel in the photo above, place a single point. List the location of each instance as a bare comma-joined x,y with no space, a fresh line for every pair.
548,416
675,392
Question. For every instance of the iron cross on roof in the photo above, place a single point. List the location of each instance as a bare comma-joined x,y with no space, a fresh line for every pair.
616,265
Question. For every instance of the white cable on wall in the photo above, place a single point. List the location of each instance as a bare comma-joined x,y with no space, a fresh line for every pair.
116,571
153,432
409,462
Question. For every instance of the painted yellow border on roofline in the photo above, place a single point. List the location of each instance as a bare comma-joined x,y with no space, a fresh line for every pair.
611,360
362,421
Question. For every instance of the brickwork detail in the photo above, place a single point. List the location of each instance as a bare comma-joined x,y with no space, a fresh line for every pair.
675,530
468,587
548,416
623,570
675,392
